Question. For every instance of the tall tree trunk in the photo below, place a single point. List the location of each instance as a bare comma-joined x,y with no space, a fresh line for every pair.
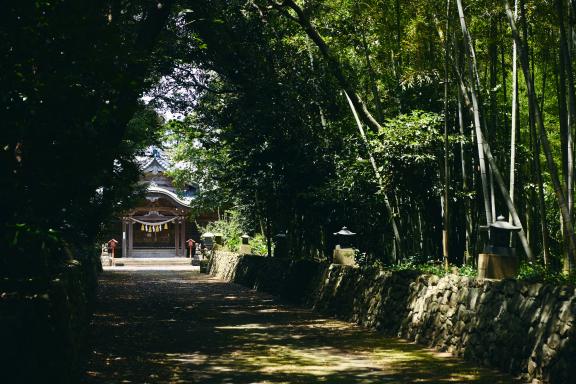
540,195
539,182
491,130
475,105
562,109
379,179
313,67
566,75
370,69
567,57
398,55
563,118
372,76
446,207
492,194
503,70
497,175
514,116
467,209
259,213
572,98
485,146
552,168
268,236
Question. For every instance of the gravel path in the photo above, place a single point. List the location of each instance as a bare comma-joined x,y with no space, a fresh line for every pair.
184,327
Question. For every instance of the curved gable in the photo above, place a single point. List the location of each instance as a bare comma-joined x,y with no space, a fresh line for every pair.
181,201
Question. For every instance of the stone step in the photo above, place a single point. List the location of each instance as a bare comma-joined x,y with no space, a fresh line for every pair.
149,261
147,253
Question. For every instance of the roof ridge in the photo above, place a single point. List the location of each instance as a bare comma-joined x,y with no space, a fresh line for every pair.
153,153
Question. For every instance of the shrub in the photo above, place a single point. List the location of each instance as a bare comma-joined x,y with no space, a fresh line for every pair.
230,229
258,245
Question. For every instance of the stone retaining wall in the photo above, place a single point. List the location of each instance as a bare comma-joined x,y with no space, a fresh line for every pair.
525,329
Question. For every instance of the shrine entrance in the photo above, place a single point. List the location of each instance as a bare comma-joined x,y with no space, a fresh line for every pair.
158,227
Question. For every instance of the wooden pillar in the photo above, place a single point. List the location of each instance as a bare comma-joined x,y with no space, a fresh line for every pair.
124,245
130,238
176,237
183,237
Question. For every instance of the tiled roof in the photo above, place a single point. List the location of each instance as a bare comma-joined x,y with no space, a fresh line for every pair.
151,154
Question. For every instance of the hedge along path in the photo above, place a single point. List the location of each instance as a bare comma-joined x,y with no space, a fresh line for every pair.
184,327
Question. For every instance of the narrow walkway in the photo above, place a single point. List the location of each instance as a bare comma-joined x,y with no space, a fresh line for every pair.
184,327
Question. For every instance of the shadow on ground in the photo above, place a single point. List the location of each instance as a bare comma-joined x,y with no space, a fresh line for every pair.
183,327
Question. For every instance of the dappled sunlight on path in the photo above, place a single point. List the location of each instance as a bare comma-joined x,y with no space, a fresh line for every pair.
183,327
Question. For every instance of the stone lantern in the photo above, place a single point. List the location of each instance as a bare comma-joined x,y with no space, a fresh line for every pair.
208,240
219,239
245,248
280,246
499,260
343,252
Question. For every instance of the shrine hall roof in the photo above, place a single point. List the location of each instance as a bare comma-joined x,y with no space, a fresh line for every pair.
153,161
152,154
182,200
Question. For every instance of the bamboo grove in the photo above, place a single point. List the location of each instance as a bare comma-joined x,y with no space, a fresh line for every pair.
411,112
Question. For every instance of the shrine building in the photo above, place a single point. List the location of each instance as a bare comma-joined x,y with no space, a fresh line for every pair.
160,225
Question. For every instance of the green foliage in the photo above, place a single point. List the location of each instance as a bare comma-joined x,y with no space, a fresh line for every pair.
468,270
258,245
361,258
413,138
431,268
40,251
538,272
409,147
434,268
230,228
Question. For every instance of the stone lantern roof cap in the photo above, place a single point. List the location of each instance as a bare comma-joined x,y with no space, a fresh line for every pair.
207,234
344,232
501,223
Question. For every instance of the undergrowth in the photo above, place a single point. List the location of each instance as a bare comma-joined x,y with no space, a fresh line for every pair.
434,268
530,271
538,272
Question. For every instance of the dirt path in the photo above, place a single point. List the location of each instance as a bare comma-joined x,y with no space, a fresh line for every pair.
183,327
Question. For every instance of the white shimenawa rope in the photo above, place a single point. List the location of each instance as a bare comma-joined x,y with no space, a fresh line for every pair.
153,223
